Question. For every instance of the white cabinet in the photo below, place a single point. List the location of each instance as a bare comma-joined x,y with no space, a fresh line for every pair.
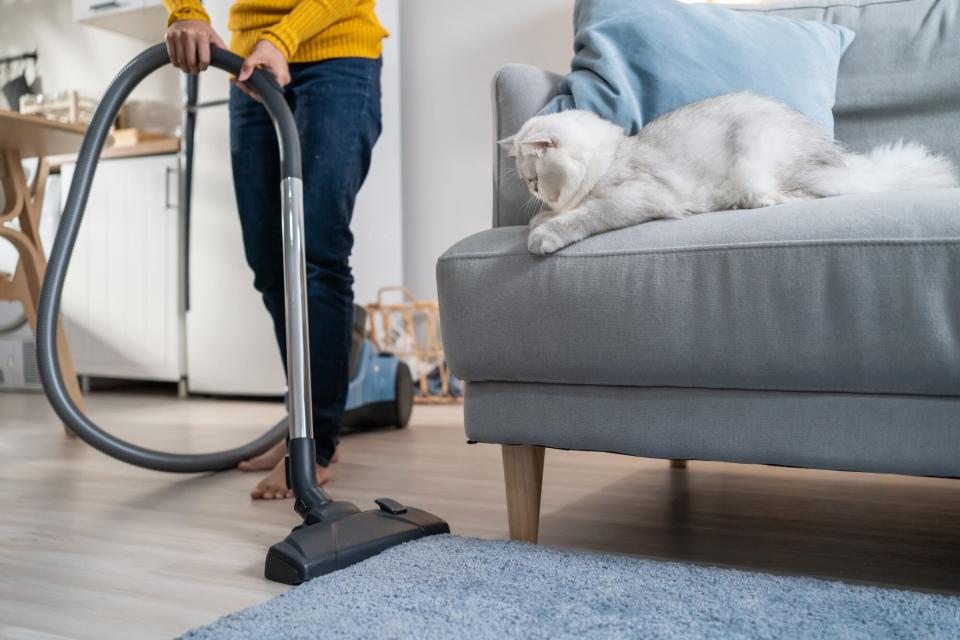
122,301
143,19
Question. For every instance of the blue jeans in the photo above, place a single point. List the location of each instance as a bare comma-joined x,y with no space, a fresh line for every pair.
336,105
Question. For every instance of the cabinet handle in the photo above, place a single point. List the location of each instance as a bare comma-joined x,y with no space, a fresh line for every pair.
100,6
167,172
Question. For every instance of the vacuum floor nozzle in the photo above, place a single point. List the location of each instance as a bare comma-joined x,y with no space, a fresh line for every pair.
317,548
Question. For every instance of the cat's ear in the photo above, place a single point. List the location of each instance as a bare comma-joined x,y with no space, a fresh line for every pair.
507,143
539,145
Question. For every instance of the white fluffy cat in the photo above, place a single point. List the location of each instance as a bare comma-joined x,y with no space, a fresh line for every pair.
738,151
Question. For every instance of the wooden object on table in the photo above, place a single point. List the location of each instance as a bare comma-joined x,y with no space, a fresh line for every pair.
29,136
68,107
133,136
419,338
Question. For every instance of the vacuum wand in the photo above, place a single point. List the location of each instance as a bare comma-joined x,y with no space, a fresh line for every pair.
300,465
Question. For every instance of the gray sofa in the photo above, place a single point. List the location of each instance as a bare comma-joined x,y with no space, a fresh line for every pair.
821,334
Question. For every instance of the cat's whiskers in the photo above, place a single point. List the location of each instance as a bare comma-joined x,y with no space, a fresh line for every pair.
532,203
509,172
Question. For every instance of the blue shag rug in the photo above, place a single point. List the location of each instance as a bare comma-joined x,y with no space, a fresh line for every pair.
453,587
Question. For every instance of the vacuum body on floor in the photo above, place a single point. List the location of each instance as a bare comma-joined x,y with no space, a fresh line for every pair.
334,534
381,387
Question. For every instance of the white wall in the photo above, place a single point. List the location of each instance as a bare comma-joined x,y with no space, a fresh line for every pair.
450,52
85,58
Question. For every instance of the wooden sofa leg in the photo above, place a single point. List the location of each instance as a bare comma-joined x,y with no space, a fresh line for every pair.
523,475
678,464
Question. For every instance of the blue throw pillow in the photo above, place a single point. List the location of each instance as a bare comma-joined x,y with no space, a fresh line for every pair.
636,59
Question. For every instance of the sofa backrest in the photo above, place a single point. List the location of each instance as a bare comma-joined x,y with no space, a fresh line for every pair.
901,76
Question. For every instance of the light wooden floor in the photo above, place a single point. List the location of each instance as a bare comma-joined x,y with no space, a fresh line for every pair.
92,548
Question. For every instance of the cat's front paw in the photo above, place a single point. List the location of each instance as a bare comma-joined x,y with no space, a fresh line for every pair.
543,241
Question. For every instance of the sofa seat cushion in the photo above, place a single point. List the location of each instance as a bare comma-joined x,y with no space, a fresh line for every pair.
849,294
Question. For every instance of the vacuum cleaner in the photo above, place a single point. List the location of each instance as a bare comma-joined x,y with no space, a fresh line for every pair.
334,534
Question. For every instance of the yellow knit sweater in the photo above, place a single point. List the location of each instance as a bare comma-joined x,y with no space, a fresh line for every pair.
303,30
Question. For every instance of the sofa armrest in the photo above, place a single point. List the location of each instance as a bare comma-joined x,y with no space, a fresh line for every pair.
519,92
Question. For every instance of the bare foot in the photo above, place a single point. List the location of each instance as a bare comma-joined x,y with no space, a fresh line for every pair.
265,461
273,457
274,486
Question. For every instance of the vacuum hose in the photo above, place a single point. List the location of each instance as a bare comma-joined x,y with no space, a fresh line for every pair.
49,305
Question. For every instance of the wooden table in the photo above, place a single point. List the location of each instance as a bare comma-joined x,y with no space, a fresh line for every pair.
30,136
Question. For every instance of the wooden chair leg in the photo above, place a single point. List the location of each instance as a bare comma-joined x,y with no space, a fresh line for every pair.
678,464
523,475
25,289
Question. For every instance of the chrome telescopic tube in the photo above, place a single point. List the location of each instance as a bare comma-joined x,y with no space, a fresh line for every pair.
295,290
292,203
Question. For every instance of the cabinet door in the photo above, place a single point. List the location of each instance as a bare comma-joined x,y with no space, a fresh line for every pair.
122,298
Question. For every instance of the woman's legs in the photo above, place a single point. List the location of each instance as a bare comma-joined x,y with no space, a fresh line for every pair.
336,104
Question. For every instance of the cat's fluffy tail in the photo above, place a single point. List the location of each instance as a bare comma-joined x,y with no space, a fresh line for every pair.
900,166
